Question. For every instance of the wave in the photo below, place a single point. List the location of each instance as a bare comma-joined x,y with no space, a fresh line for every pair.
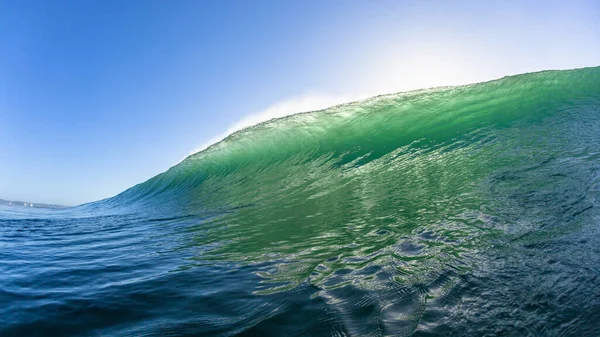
449,211
354,134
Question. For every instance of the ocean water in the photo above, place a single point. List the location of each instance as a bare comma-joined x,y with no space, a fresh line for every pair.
461,211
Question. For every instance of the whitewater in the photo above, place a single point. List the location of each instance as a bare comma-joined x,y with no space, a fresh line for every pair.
463,211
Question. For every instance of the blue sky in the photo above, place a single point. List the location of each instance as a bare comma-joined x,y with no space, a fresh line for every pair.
96,96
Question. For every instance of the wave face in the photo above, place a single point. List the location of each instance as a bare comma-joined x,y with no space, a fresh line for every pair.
466,210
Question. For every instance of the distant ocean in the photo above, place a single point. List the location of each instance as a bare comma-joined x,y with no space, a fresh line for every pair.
462,211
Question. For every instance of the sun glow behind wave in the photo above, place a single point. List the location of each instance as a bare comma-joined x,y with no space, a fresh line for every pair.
304,103
431,49
318,101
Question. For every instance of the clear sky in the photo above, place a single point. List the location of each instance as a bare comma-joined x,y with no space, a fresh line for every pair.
96,96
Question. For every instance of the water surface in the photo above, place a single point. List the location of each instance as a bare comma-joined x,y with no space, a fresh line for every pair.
464,211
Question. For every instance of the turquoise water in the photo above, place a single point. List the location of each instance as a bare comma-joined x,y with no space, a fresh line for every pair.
462,211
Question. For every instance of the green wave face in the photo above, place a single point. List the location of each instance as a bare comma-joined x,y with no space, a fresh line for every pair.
410,194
